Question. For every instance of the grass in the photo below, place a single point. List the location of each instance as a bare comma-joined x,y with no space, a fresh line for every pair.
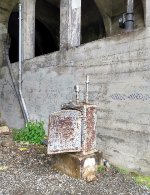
139,179
144,180
101,169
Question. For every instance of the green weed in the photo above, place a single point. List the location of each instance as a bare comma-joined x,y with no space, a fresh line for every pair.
139,179
123,171
144,180
101,169
33,132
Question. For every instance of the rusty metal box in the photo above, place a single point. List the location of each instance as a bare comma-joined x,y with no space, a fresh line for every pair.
73,129
64,132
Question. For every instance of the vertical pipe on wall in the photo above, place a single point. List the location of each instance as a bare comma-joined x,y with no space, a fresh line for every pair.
87,89
129,24
26,115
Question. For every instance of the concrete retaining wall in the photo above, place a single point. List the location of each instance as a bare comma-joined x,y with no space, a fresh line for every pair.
119,70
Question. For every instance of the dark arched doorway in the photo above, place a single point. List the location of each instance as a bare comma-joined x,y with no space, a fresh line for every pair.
46,30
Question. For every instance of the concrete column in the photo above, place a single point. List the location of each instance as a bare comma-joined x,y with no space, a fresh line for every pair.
70,23
3,35
28,28
146,7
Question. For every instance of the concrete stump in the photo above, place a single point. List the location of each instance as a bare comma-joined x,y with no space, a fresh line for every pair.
78,165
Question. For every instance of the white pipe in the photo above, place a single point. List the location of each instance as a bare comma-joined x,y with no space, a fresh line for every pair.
77,90
87,89
20,64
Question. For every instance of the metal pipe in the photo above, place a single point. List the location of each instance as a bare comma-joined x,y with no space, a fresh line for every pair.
20,64
7,46
87,89
129,24
77,90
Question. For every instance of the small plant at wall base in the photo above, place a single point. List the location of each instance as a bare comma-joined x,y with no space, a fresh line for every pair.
139,179
101,169
33,132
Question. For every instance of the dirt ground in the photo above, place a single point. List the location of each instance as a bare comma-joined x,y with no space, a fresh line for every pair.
26,170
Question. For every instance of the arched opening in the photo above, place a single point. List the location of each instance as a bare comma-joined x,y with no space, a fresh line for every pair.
46,30
112,11
118,11
92,27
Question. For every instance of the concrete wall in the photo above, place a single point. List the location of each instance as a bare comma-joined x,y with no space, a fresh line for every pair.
119,69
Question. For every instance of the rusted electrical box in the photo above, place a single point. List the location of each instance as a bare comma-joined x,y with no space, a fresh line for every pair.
73,129
64,132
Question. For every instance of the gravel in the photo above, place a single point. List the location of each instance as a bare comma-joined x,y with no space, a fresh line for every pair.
26,170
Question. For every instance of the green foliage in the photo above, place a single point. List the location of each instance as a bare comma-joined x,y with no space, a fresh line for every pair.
33,132
101,169
139,179
144,180
122,170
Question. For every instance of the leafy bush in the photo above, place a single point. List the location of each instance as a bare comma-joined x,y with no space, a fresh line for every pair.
33,132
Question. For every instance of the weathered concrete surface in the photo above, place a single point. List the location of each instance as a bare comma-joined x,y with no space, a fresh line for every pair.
1,52
6,7
77,165
70,23
146,7
119,69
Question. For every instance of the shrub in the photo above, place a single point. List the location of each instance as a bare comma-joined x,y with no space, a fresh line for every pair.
33,132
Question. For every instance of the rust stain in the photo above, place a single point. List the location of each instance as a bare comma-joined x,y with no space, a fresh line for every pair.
90,140
65,127
64,132
89,128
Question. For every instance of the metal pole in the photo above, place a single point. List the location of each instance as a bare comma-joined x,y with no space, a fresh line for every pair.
20,64
129,24
87,89
77,93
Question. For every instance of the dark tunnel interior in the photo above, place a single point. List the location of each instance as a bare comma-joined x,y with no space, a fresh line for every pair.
44,41
47,25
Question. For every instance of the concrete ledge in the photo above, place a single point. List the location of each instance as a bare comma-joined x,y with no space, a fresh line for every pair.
78,165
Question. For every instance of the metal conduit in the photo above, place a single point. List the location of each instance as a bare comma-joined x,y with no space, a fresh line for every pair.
20,65
7,46
129,24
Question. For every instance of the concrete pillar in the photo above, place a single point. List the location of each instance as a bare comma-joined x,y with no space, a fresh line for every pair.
70,23
146,7
28,28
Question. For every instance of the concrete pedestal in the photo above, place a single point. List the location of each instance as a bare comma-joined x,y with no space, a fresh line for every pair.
77,165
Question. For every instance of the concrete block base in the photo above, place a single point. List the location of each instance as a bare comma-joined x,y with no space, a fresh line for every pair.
78,165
